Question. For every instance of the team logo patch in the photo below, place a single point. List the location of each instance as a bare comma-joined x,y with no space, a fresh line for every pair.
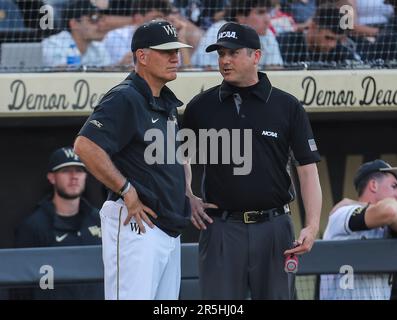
61,238
95,231
170,30
357,211
135,227
96,123
312,144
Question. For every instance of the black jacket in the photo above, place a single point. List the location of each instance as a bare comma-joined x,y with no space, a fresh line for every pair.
44,228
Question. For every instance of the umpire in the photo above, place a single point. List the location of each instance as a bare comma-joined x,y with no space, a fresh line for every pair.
245,239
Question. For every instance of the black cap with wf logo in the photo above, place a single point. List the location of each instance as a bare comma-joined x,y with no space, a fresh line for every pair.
156,34
64,157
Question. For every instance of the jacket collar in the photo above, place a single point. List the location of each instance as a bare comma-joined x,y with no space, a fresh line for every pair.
166,94
262,91
48,206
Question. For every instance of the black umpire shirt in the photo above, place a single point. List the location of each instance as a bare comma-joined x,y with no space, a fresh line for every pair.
279,124
118,125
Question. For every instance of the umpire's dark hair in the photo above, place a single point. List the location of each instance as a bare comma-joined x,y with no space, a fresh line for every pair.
145,6
244,7
362,184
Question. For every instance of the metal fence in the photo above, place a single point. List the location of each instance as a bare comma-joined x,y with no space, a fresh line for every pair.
95,35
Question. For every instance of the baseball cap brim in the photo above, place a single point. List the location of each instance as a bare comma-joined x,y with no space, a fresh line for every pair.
170,46
223,44
392,170
68,164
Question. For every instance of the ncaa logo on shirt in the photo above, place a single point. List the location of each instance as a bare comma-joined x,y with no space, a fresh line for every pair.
269,134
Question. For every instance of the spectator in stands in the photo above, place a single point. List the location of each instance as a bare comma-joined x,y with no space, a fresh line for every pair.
188,33
118,41
302,11
10,15
63,219
281,21
385,46
371,16
254,13
191,9
373,216
31,12
83,32
211,12
116,14
320,43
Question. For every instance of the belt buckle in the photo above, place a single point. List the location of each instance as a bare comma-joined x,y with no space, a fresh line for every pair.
247,217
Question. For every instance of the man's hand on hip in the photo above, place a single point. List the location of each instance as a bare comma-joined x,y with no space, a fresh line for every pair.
137,210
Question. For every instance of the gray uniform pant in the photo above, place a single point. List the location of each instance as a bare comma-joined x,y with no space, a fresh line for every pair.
236,259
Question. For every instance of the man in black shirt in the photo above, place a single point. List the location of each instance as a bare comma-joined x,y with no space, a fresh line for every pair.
141,255
246,228
63,219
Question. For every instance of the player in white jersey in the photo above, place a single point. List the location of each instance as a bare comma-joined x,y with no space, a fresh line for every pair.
373,216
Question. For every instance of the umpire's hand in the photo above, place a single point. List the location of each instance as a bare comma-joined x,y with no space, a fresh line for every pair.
137,210
198,213
305,241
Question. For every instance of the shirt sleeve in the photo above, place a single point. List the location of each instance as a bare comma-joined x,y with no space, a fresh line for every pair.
270,47
112,124
338,224
302,140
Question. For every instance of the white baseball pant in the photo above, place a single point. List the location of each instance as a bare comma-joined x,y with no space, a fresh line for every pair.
138,266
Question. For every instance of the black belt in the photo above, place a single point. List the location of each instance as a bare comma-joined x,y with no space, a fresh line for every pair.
249,216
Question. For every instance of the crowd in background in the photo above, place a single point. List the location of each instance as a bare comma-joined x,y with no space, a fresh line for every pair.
291,31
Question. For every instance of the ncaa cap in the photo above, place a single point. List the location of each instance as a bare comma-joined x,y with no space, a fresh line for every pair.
235,36
156,34
64,157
